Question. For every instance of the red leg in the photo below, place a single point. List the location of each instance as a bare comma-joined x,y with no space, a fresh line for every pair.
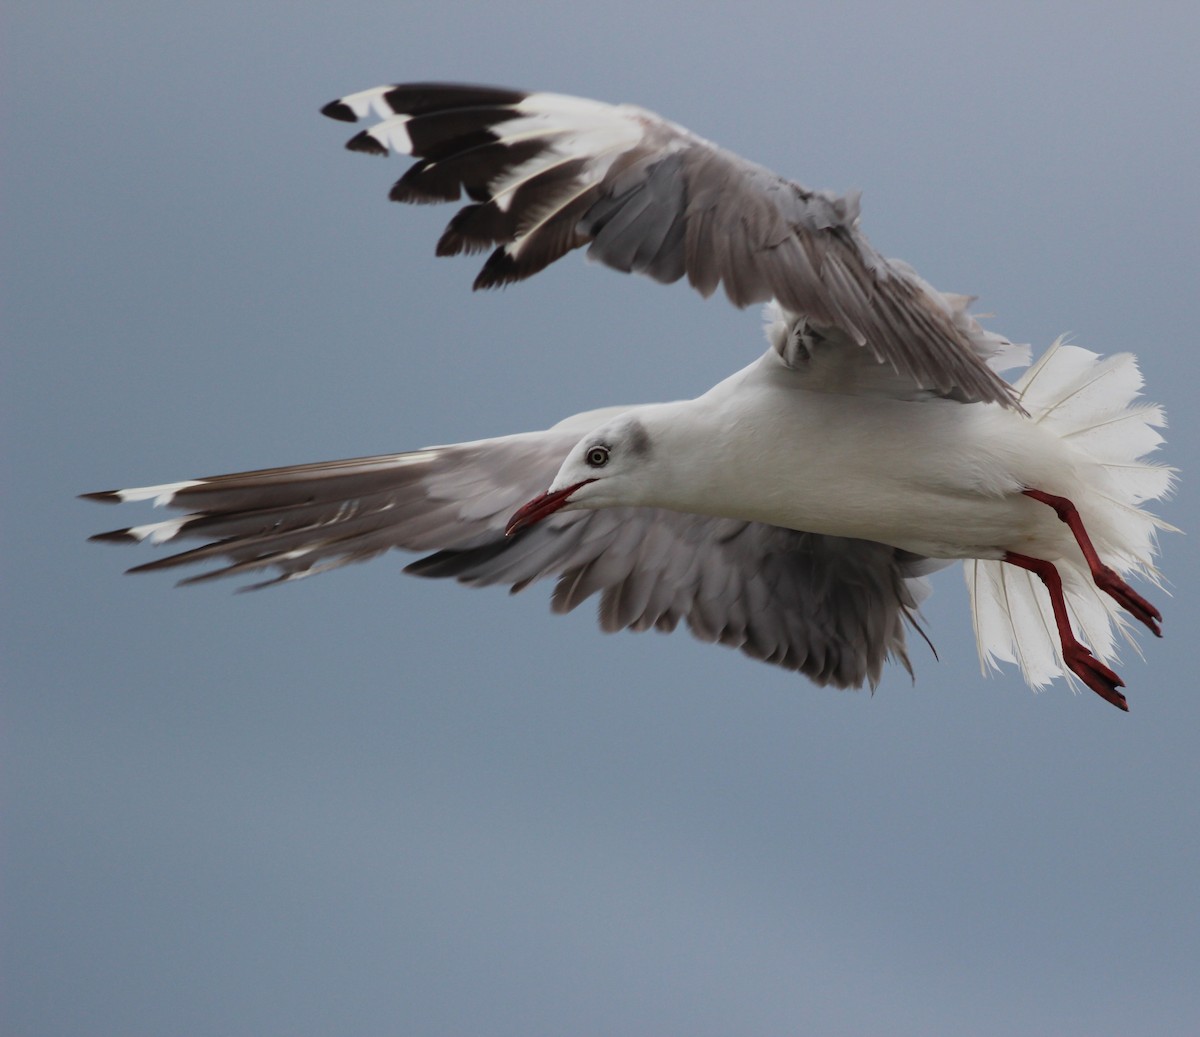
1079,660
1106,579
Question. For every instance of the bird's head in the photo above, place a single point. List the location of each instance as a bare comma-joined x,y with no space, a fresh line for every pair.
611,466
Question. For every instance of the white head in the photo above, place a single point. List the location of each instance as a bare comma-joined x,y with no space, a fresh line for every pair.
611,466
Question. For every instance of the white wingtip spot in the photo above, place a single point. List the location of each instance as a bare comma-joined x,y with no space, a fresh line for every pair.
391,133
366,101
160,495
158,532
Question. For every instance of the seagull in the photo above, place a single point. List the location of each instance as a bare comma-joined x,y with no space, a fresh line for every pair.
795,509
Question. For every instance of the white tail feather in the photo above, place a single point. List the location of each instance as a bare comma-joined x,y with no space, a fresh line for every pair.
1088,401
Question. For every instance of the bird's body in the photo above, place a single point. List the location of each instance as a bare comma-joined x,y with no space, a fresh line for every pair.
934,478
793,509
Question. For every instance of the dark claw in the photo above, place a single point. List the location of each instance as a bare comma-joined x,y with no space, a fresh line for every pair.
1095,675
1129,599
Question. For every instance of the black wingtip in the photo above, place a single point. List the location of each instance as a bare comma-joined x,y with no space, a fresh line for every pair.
365,143
407,191
113,536
501,269
339,110
103,496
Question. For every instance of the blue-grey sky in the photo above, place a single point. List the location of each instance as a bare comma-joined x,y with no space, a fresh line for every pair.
368,804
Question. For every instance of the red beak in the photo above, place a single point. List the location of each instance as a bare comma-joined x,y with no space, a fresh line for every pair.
538,508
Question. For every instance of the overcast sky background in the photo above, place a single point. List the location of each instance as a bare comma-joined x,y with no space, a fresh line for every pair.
367,804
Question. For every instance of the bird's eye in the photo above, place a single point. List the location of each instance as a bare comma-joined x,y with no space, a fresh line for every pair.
597,456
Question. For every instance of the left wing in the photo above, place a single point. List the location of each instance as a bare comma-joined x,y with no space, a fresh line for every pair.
547,173
832,608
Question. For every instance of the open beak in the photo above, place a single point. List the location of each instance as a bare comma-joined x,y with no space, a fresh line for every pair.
538,508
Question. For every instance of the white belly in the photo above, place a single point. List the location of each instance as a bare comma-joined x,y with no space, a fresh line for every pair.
937,478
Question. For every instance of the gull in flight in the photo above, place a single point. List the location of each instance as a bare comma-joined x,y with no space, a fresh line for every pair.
794,509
